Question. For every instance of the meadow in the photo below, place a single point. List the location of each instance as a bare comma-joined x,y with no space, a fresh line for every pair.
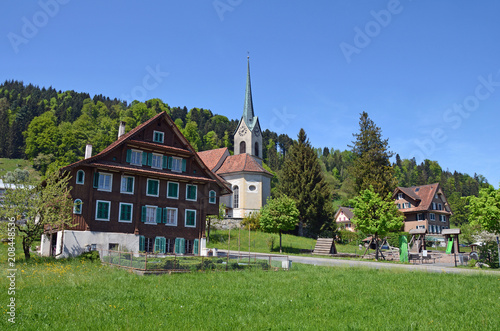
77,294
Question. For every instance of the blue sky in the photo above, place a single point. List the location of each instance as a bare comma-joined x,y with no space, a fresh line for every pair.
427,72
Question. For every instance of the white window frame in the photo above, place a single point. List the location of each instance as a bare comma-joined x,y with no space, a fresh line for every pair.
214,197
440,206
147,188
434,206
132,158
162,136
176,216
148,208
176,164
432,216
121,184
236,196
77,204
131,212
177,195
400,196
97,210
159,161
105,174
442,218
187,191
185,218
83,179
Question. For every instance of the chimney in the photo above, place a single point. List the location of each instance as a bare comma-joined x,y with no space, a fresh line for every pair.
88,151
121,129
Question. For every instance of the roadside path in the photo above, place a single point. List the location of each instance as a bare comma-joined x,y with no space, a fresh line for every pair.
338,262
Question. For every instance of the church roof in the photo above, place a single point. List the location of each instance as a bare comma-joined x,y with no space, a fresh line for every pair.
248,117
212,157
241,163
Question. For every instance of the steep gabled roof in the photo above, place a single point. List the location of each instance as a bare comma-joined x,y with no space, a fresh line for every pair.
214,157
129,138
424,194
347,212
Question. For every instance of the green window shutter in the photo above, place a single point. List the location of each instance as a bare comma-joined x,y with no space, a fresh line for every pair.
157,244
169,163
177,246
158,215
165,162
130,184
163,242
142,241
195,247
184,165
150,159
182,242
96,179
143,213
165,215
144,158
129,155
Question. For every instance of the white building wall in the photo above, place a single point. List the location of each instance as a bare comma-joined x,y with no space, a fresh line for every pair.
250,200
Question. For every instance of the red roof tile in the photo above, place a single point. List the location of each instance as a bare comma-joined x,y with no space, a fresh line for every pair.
212,157
423,196
241,163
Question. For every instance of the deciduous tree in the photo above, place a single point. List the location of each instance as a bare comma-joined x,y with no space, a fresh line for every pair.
485,209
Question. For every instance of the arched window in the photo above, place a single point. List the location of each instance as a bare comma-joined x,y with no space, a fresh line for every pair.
236,197
80,177
243,147
212,197
257,149
77,206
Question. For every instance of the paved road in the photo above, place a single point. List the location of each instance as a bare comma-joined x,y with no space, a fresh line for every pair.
337,262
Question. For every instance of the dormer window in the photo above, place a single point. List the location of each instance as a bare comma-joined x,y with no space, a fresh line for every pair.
400,196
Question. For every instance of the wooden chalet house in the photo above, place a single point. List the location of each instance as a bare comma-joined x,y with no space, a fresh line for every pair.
148,191
424,207
343,218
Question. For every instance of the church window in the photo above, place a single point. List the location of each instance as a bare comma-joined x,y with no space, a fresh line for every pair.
236,197
252,188
257,149
243,147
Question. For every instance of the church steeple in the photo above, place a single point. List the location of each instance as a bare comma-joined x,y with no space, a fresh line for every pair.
248,114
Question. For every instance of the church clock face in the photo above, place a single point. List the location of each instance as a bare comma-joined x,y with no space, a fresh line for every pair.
242,131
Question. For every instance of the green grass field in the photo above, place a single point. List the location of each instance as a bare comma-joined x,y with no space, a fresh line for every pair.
81,295
7,165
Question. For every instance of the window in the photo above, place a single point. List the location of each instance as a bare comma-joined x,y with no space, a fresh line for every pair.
212,197
191,192
113,246
406,205
134,157
433,206
103,181
172,190
127,185
440,206
125,212
190,220
176,164
236,197
156,161
243,147
188,246
252,188
170,216
151,214
442,218
439,229
153,187
420,217
77,206
146,244
158,137
432,216
400,196
399,206
420,226
102,210
80,177
169,245
160,243
256,149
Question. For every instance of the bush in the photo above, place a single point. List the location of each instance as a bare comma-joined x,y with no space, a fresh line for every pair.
91,256
253,219
270,242
489,254
472,263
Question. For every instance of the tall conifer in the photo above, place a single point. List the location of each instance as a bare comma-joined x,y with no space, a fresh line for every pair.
302,180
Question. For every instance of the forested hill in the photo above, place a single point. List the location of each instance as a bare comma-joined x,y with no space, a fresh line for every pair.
52,127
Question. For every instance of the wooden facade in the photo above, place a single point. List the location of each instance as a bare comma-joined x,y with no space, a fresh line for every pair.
150,183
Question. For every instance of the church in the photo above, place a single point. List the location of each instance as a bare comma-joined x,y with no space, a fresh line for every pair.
243,171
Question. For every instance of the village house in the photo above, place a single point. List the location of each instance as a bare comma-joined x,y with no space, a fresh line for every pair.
148,191
243,171
424,207
343,218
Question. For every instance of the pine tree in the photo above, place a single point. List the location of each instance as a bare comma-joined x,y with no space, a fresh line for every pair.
371,166
301,179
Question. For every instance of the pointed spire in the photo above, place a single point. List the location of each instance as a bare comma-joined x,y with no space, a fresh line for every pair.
248,114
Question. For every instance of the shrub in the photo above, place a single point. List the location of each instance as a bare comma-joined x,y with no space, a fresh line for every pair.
253,219
91,256
270,242
472,263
